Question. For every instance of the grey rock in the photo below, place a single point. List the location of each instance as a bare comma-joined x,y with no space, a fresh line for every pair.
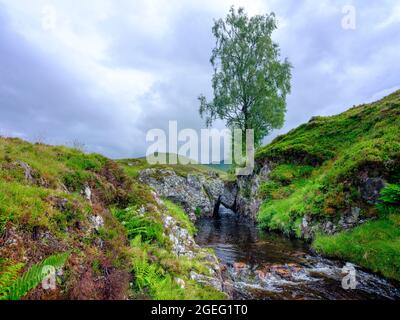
27,170
88,193
192,192
370,189
248,202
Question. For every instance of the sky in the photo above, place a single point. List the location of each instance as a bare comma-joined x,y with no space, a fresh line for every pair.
104,72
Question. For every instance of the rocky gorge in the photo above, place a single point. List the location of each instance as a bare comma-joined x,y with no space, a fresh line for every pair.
331,182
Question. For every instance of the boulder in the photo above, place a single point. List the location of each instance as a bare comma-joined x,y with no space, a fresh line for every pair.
194,192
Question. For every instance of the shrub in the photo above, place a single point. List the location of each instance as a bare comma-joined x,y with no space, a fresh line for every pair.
390,195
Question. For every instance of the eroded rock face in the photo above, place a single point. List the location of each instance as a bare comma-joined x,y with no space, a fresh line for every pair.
248,201
194,192
347,220
370,189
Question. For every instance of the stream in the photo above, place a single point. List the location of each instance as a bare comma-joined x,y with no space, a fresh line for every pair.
264,265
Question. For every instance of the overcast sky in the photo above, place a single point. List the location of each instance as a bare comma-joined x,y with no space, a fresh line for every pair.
103,72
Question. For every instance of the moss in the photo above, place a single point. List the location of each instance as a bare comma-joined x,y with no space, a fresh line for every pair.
180,215
198,212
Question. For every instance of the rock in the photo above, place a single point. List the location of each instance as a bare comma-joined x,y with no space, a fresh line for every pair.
305,227
32,176
182,242
329,228
247,200
294,267
282,271
370,189
239,266
142,211
192,192
88,193
192,217
27,170
298,254
350,219
97,221
261,274
210,281
180,283
59,203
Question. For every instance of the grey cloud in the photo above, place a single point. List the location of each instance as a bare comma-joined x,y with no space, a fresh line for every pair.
333,69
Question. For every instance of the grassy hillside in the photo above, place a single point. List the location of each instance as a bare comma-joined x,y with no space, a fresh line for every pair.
320,170
115,241
134,166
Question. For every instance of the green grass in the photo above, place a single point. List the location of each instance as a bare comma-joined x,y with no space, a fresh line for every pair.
156,271
180,215
132,236
323,138
133,167
374,245
147,227
30,206
51,163
316,171
154,268
318,165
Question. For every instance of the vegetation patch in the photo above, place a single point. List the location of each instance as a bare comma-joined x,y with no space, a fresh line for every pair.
322,169
44,210
349,148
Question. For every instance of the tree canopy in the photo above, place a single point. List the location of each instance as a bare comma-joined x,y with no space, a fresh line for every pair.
250,81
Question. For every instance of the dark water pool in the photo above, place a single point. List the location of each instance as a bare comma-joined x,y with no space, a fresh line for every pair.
261,265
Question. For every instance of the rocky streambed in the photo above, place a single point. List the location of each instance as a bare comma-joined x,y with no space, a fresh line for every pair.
258,265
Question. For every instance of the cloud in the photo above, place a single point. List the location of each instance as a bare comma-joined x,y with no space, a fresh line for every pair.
105,72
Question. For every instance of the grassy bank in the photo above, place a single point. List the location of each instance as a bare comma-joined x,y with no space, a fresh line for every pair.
374,245
320,169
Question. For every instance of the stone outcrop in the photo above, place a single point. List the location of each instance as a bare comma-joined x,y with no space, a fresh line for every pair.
196,193
183,244
248,202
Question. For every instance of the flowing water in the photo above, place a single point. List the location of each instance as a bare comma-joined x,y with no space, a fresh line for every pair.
262,265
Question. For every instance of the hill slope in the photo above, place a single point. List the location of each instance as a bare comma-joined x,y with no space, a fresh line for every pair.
118,235
326,177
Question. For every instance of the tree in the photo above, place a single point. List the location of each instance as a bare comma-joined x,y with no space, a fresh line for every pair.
250,82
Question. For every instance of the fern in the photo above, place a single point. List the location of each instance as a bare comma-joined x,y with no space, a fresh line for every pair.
389,201
14,288
391,194
136,225
8,275
146,274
